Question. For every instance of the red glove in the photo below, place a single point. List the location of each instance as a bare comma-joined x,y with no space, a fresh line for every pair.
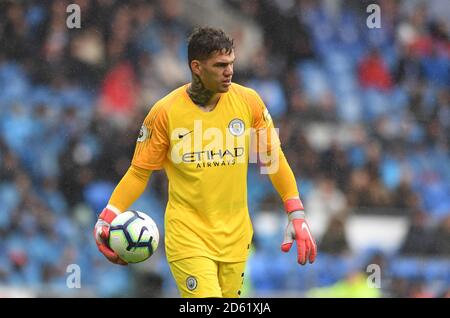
101,234
298,230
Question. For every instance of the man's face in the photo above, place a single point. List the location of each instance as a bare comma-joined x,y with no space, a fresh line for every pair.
216,72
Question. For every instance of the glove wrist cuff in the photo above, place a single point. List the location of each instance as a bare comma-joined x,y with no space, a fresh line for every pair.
107,215
296,215
292,205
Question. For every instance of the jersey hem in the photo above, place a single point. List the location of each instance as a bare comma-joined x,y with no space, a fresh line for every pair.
215,258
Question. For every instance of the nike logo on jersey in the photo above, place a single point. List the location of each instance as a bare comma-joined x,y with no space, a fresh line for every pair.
180,136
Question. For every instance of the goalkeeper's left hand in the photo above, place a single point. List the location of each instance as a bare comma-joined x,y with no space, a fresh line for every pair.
101,235
298,230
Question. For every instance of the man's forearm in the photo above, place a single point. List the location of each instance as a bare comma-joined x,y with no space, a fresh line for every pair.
129,189
283,179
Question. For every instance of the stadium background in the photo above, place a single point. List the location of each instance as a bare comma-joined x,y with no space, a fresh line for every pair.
364,116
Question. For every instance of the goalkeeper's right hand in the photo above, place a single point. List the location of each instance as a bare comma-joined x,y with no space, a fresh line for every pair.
101,234
298,230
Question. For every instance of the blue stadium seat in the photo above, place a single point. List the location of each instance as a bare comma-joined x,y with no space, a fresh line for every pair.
97,194
437,270
14,84
314,79
409,268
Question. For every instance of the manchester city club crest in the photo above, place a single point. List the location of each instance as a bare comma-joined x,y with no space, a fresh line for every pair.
191,283
236,127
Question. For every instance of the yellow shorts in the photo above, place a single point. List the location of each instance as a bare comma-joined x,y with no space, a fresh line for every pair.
199,277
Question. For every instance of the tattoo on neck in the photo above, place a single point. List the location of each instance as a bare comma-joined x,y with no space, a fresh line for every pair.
199,94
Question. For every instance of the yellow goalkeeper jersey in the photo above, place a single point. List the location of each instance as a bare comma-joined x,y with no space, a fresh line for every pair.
205,156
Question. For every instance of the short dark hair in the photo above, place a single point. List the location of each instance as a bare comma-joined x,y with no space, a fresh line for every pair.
205,40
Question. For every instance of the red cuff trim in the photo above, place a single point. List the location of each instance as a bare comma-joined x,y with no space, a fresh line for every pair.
293,205
107,215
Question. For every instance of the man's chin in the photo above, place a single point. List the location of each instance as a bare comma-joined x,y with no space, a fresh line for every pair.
224,89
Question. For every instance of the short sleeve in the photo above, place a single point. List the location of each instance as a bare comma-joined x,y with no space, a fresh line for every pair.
262,124
153,141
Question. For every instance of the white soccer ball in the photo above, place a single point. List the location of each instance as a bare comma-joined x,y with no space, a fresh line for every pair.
134,236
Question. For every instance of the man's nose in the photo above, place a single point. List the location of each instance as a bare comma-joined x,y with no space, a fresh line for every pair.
228,70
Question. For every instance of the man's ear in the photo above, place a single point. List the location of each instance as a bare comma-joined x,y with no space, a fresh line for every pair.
196,67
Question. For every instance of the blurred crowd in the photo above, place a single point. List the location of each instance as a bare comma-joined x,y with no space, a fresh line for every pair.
364,118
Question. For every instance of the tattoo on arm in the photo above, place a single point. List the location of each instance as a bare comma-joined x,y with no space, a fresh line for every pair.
199,94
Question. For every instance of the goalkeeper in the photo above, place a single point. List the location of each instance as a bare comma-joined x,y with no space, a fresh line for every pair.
203,135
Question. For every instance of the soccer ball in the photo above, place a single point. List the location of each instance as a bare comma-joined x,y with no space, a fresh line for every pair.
134,236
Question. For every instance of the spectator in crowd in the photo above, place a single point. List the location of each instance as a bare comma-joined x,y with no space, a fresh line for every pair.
441,242
373,72
325,203
334,240
418,240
